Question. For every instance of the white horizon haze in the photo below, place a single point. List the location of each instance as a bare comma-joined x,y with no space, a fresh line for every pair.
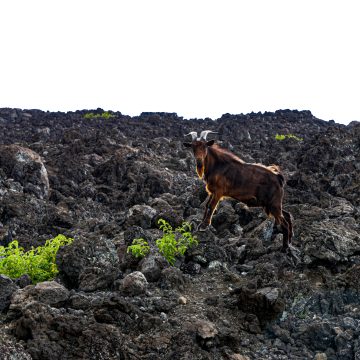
196,58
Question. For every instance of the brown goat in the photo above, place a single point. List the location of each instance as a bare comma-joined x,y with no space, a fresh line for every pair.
226,175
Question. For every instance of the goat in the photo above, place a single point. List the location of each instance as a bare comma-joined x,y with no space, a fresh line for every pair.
228,176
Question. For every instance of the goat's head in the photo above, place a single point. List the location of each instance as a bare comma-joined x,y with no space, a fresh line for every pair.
200,147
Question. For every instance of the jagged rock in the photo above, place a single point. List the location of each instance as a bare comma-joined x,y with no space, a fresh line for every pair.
141,215
47,292
329,241
205,329
264,231
23,281
134,283
26,167
11,350
266,303
88,263
318,335
51,333
151,266
225,217
173,214
344,345
7,288
172,278
135,232
191,268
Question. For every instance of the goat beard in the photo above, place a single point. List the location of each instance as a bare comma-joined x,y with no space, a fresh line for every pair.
200,170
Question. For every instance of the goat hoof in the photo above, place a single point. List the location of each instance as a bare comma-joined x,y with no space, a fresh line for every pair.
210,227
202,227
289,248
293,249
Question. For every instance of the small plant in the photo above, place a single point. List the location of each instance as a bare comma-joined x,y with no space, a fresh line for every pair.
39,263
281,137
175,242
139,248
104,115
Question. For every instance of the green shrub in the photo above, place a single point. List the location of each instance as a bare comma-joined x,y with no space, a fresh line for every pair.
39,263
175,242
104,115
139,248
281,137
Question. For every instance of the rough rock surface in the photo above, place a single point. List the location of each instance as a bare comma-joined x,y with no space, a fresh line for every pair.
24,166
7,288
89,264
235,296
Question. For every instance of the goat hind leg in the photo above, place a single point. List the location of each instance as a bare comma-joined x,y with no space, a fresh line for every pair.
280,220
286,229
288,219
291,251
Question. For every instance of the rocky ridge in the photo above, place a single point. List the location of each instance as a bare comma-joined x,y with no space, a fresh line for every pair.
235,296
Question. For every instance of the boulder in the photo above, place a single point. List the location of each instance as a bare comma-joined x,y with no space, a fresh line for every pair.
225,217
134,283
266,303
141,215
329,240
88,264
168,209
151,266
47,292
318,335
264,231
50,333
205,329
26,167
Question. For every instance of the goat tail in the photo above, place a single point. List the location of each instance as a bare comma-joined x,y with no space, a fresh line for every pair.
277,171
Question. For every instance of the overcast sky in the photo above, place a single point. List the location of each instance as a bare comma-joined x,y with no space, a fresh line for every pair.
197,58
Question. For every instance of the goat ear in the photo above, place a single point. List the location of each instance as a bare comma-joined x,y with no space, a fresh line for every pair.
186,144
210,143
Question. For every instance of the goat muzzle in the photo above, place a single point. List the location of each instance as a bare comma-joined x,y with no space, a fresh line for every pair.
199,163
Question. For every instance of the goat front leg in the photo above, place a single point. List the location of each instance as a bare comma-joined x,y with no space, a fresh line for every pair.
209,211
206,203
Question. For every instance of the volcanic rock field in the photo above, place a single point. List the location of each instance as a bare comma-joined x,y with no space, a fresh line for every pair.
236,296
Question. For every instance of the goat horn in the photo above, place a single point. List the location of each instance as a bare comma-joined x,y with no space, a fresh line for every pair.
205,133
193,135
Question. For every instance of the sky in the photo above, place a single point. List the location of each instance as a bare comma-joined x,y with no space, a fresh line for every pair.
198,58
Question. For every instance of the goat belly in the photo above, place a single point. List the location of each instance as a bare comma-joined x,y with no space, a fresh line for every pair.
251,202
